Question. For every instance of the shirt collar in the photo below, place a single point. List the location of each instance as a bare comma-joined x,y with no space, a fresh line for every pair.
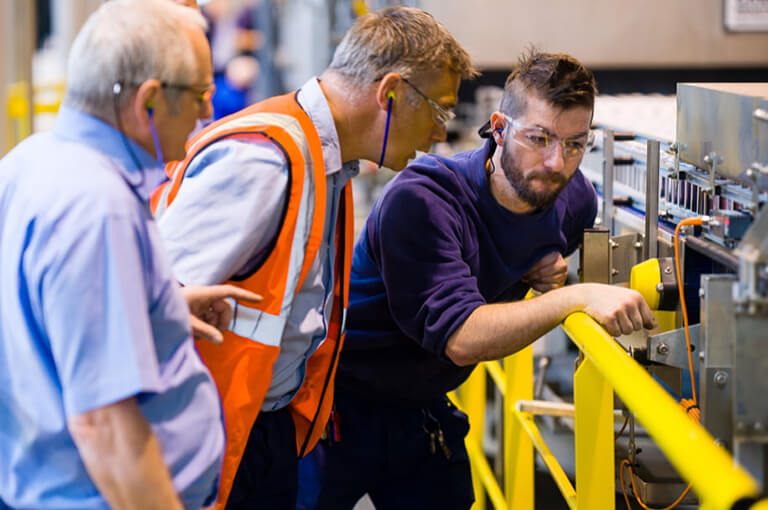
313,101
84,128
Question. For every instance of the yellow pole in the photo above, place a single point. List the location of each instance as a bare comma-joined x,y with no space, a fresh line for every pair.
593,438
558,475
518,448
472,395
716,479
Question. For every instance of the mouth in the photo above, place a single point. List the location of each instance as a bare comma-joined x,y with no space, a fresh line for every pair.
555,179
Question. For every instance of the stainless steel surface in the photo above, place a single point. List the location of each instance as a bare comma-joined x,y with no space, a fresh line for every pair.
670,349
719,117
595,257
651,200
655,490
608,177
750,384
717,326
626,251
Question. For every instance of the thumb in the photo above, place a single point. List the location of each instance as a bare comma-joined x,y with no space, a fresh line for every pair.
201,329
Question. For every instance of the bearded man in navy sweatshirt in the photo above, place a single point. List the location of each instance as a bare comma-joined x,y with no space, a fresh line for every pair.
439,272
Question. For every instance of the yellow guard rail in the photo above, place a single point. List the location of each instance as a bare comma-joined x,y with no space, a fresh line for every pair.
717,480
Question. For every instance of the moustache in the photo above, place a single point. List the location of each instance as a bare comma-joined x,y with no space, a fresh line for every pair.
547,176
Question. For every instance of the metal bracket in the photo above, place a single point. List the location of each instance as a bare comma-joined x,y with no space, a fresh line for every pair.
713,159
670,349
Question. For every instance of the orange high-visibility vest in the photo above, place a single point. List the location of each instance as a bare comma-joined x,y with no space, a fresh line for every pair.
242,366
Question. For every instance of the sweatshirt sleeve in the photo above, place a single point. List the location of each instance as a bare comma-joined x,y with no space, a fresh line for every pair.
417,246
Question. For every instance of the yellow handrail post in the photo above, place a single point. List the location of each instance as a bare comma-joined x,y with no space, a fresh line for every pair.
472,395
518,448
593,438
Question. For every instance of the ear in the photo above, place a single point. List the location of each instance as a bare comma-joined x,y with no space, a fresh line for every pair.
498,124
389,87
145,98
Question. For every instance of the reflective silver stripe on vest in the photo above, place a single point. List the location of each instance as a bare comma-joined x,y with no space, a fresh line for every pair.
249,322
255,324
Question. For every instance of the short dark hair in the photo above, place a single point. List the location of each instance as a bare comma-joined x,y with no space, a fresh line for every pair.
557,78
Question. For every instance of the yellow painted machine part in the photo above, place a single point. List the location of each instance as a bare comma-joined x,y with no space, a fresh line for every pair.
643,278
518,448
716,479
558,475
593,437
497,374
472,398
482,471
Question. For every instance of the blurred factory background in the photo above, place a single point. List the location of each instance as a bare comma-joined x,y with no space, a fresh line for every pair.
264,47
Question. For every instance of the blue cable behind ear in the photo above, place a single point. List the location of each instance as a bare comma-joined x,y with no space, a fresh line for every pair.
155,138
391,96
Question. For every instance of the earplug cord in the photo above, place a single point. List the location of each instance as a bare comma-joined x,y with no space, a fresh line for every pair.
391,96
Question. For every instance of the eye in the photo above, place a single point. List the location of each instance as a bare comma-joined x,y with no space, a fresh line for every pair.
537,140
574,146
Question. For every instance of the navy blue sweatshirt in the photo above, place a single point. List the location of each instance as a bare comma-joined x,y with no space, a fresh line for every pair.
436,246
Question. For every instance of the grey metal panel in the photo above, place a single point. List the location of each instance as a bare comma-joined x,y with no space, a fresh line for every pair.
608,176
716,415
719,118
750,385
626,251
595,257
716,320
652,200
670,349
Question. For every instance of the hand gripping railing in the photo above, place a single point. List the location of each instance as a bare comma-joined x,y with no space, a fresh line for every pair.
717,480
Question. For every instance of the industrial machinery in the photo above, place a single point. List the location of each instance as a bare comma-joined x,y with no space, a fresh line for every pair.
706,187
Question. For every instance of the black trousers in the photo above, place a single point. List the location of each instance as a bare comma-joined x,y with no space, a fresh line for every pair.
388,454
267,477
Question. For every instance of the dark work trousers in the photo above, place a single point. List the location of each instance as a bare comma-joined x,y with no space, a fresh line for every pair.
267,477
387,453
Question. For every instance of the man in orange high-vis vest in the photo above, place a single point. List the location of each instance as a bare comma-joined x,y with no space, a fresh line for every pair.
263,200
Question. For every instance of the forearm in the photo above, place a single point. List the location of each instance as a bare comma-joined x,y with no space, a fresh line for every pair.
123,457
494,331
498,330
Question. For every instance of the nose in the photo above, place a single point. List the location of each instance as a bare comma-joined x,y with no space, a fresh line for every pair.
555,159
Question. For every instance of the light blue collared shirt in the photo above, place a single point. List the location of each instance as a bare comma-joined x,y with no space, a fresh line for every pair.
90,314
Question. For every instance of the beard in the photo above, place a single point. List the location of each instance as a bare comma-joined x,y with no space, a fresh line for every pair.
523,184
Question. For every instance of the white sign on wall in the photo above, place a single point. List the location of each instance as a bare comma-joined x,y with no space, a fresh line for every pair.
746,15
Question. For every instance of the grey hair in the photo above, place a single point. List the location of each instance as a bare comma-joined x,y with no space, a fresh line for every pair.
405,40
129,42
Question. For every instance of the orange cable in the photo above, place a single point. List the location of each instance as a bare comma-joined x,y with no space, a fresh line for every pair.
690,405
680,288
634,490
624,426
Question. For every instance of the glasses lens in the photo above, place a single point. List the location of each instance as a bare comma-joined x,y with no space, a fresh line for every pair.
441,114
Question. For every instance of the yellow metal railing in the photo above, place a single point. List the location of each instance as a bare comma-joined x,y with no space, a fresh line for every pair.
604,368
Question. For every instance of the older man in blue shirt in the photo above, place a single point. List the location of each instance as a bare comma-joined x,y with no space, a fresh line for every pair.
104,401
